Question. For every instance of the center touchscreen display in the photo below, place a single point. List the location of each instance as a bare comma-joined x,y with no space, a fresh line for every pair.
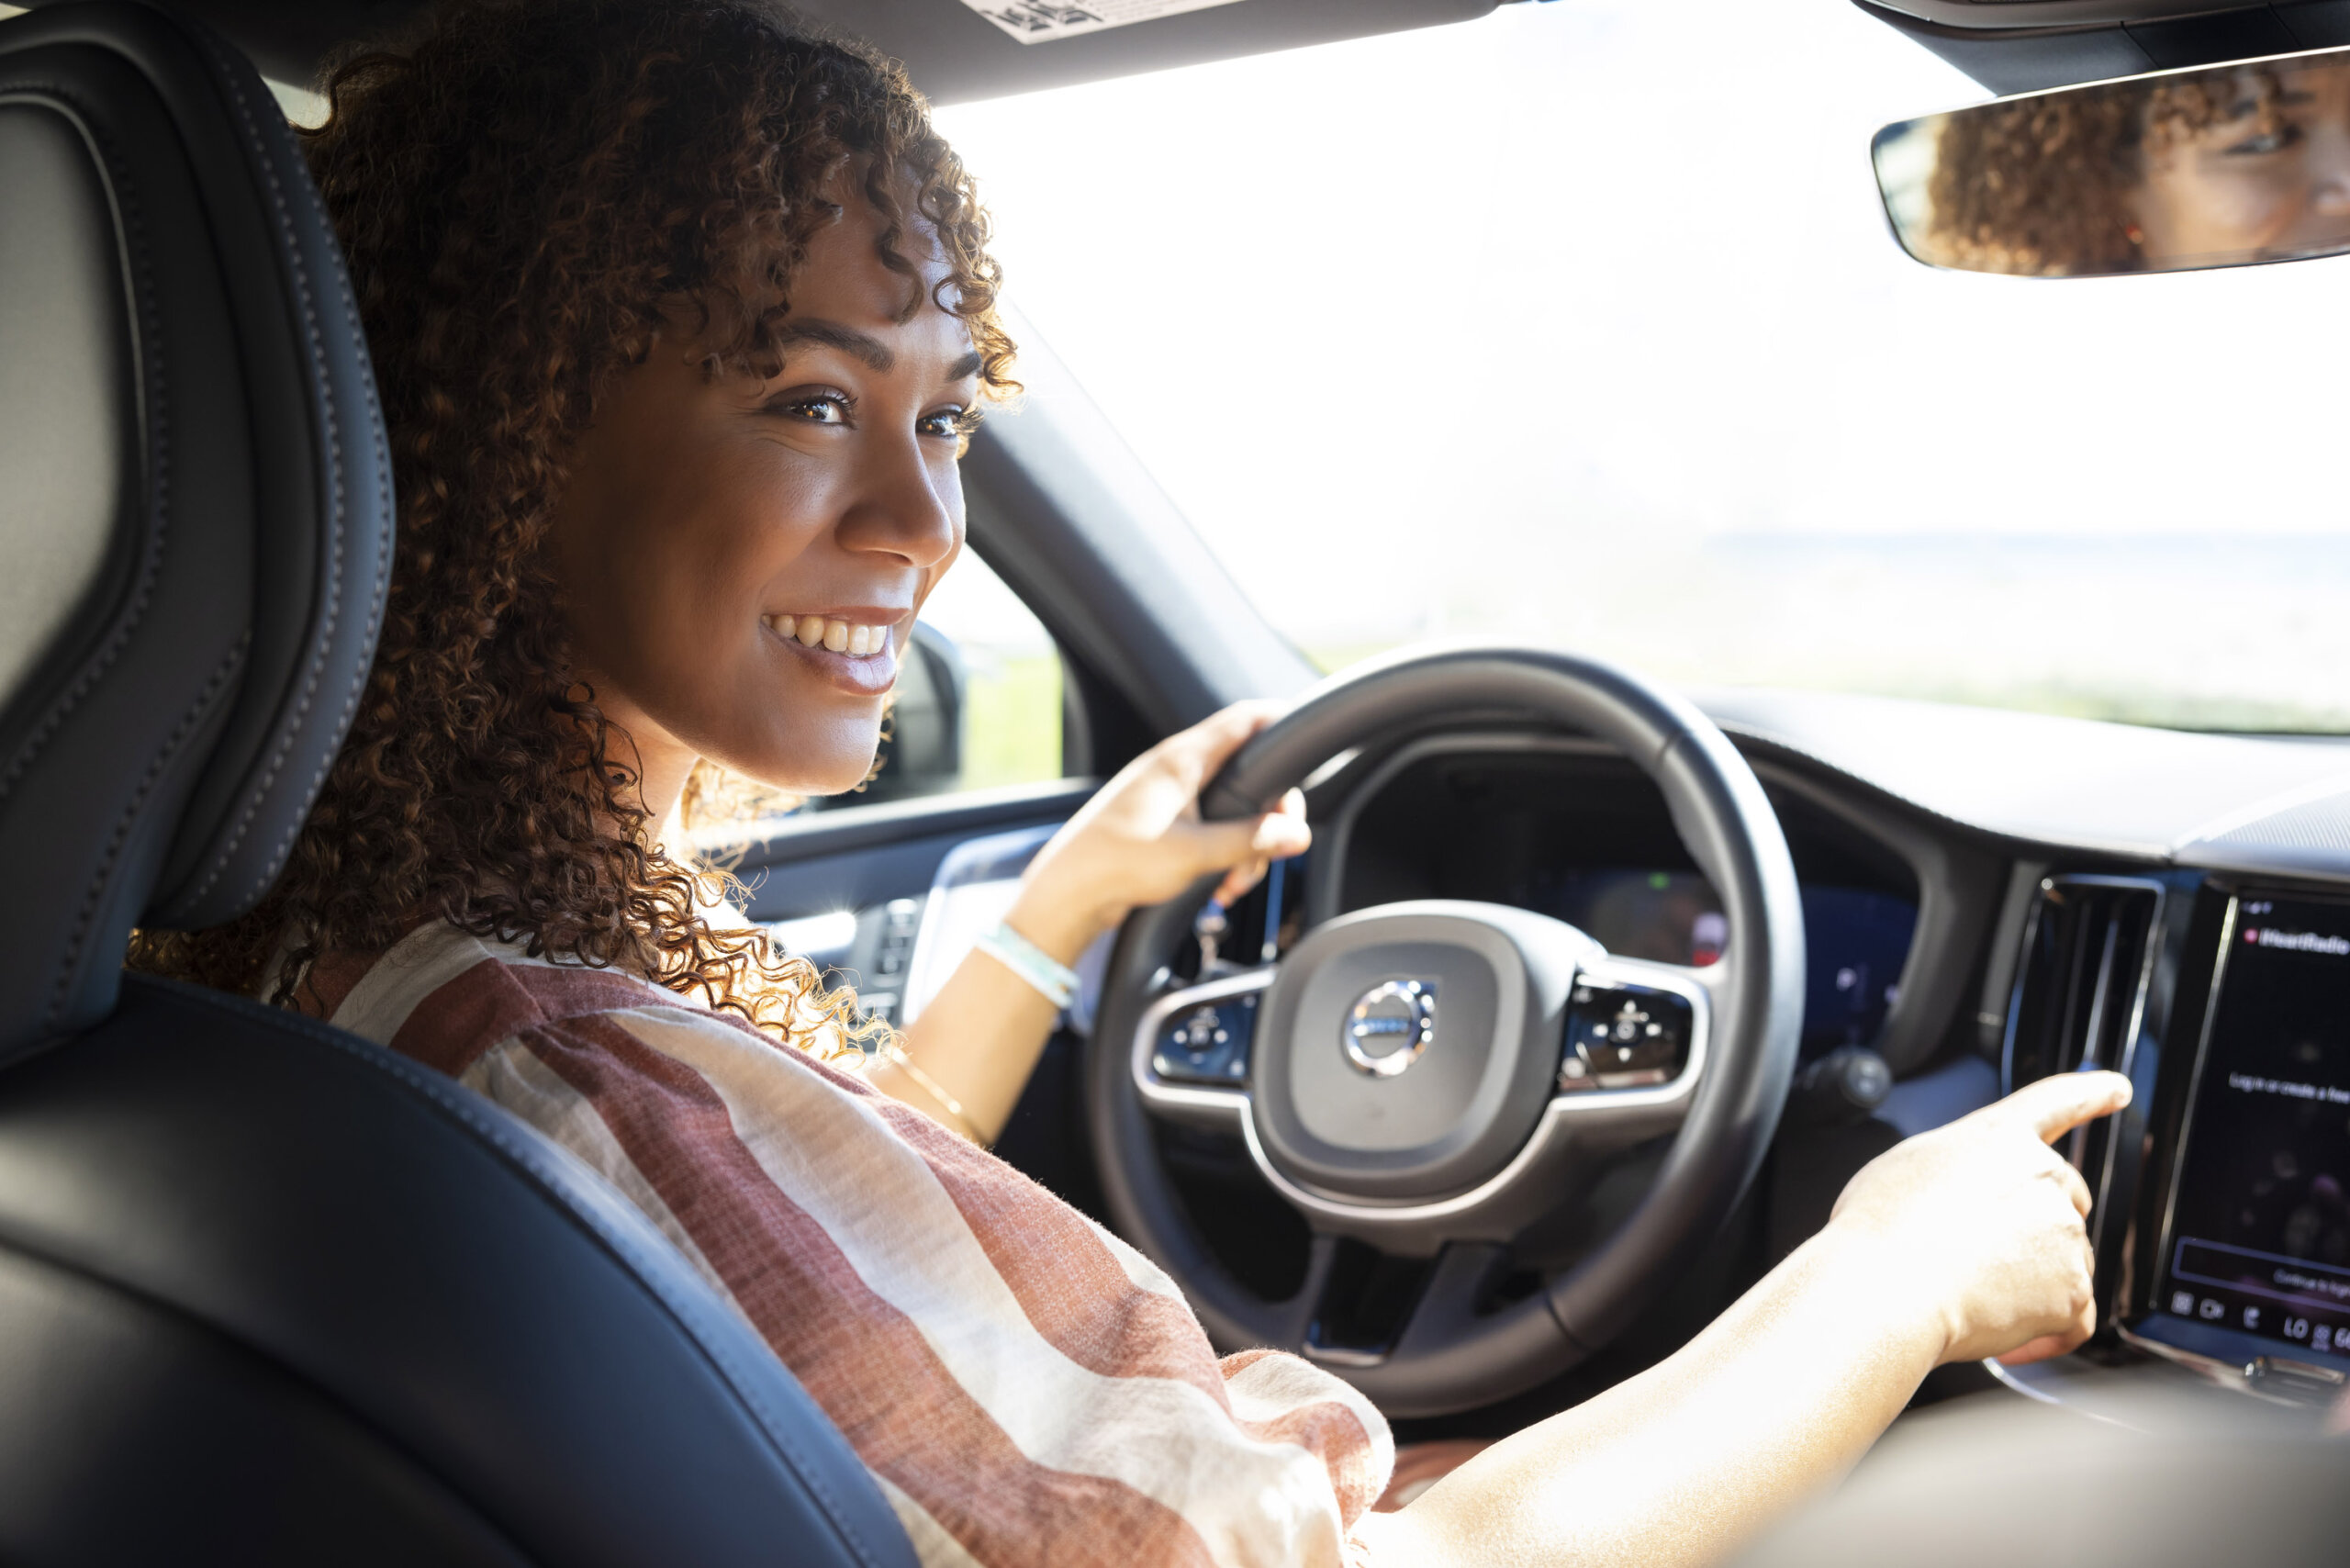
2259,1235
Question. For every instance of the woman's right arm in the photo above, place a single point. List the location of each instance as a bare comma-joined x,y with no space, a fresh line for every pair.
1961,1243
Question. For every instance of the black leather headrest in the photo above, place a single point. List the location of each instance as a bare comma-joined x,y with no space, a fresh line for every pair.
195,507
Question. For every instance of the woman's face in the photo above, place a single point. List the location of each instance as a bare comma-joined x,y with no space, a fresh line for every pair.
2273,178
742,560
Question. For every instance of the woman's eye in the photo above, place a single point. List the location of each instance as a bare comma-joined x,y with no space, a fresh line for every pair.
951,423
813,407
2266,143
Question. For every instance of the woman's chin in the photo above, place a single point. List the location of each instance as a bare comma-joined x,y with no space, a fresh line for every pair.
806,775
840,784
801,748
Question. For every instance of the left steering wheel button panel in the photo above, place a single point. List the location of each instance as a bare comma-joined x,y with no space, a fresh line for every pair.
1624,1038
1207,1044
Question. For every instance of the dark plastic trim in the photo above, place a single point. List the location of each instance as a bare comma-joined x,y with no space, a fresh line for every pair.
2028,48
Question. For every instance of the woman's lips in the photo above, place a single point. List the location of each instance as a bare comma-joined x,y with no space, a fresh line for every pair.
856,654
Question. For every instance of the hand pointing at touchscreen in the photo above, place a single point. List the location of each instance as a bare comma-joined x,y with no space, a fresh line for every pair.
1963,1242
1987,1221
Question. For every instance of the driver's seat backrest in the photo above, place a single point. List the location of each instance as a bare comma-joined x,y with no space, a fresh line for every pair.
268,1294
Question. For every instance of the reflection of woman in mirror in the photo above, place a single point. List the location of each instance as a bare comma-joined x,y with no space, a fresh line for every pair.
2241,163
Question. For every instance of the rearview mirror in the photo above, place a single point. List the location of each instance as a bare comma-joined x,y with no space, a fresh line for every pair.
2217,166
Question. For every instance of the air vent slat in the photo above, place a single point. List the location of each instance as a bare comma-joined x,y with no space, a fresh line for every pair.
2080,988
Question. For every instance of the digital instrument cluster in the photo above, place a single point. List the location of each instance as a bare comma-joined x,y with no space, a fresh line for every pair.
1584,837
1855,940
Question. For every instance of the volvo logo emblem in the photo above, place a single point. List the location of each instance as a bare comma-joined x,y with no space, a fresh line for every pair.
1389,1026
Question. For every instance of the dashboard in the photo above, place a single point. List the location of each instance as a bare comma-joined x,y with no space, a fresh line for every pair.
2222,1220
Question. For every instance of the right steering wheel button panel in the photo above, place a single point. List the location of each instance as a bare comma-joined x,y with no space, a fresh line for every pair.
1623,1038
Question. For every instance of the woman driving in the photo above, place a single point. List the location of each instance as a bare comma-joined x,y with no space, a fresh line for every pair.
681,315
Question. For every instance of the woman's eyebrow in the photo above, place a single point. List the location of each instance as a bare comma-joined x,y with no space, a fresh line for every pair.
831,334
864,346
2288,100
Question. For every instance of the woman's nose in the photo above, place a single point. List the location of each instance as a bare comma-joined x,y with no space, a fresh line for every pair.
2329,175
906,507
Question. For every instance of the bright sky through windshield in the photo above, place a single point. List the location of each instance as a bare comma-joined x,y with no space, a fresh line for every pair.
1580,323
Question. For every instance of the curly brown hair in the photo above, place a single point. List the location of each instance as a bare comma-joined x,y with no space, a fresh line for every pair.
528,193
2042,185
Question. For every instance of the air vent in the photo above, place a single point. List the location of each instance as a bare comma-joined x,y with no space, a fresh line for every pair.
2080,1000
2081,987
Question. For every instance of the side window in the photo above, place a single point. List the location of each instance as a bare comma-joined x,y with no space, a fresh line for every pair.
979,700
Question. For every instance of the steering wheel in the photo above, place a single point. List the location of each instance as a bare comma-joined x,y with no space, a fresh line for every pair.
1431,1077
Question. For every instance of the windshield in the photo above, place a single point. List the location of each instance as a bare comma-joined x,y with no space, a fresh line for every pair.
1581,324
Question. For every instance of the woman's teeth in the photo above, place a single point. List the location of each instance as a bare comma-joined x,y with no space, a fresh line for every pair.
840,636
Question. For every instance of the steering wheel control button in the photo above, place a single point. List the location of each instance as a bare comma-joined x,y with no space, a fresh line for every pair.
1622,1037
1389,1026
1207,1044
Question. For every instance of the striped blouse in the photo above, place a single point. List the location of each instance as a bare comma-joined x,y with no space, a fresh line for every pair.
1025,1387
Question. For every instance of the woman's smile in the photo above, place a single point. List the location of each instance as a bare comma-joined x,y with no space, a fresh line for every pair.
852,648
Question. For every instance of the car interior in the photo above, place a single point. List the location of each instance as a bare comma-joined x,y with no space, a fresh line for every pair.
269,1293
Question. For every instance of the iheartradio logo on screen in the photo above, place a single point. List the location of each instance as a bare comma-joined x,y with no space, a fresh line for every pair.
2297,941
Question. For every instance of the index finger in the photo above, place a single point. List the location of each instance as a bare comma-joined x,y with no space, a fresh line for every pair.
2055,1105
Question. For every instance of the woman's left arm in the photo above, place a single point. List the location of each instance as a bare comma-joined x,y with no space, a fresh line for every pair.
1138,841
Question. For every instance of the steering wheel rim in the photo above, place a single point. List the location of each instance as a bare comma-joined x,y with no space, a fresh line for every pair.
1724,1105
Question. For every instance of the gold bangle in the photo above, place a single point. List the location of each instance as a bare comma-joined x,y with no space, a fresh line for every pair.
897,1057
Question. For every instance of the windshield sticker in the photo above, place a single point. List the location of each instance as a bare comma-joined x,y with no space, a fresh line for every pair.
1040,21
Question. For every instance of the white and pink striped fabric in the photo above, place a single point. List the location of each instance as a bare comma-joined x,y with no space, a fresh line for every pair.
1025,1387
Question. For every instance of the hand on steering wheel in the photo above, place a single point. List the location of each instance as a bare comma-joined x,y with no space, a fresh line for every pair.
1141,839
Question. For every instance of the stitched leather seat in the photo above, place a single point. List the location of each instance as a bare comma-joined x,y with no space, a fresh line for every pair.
267,1292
